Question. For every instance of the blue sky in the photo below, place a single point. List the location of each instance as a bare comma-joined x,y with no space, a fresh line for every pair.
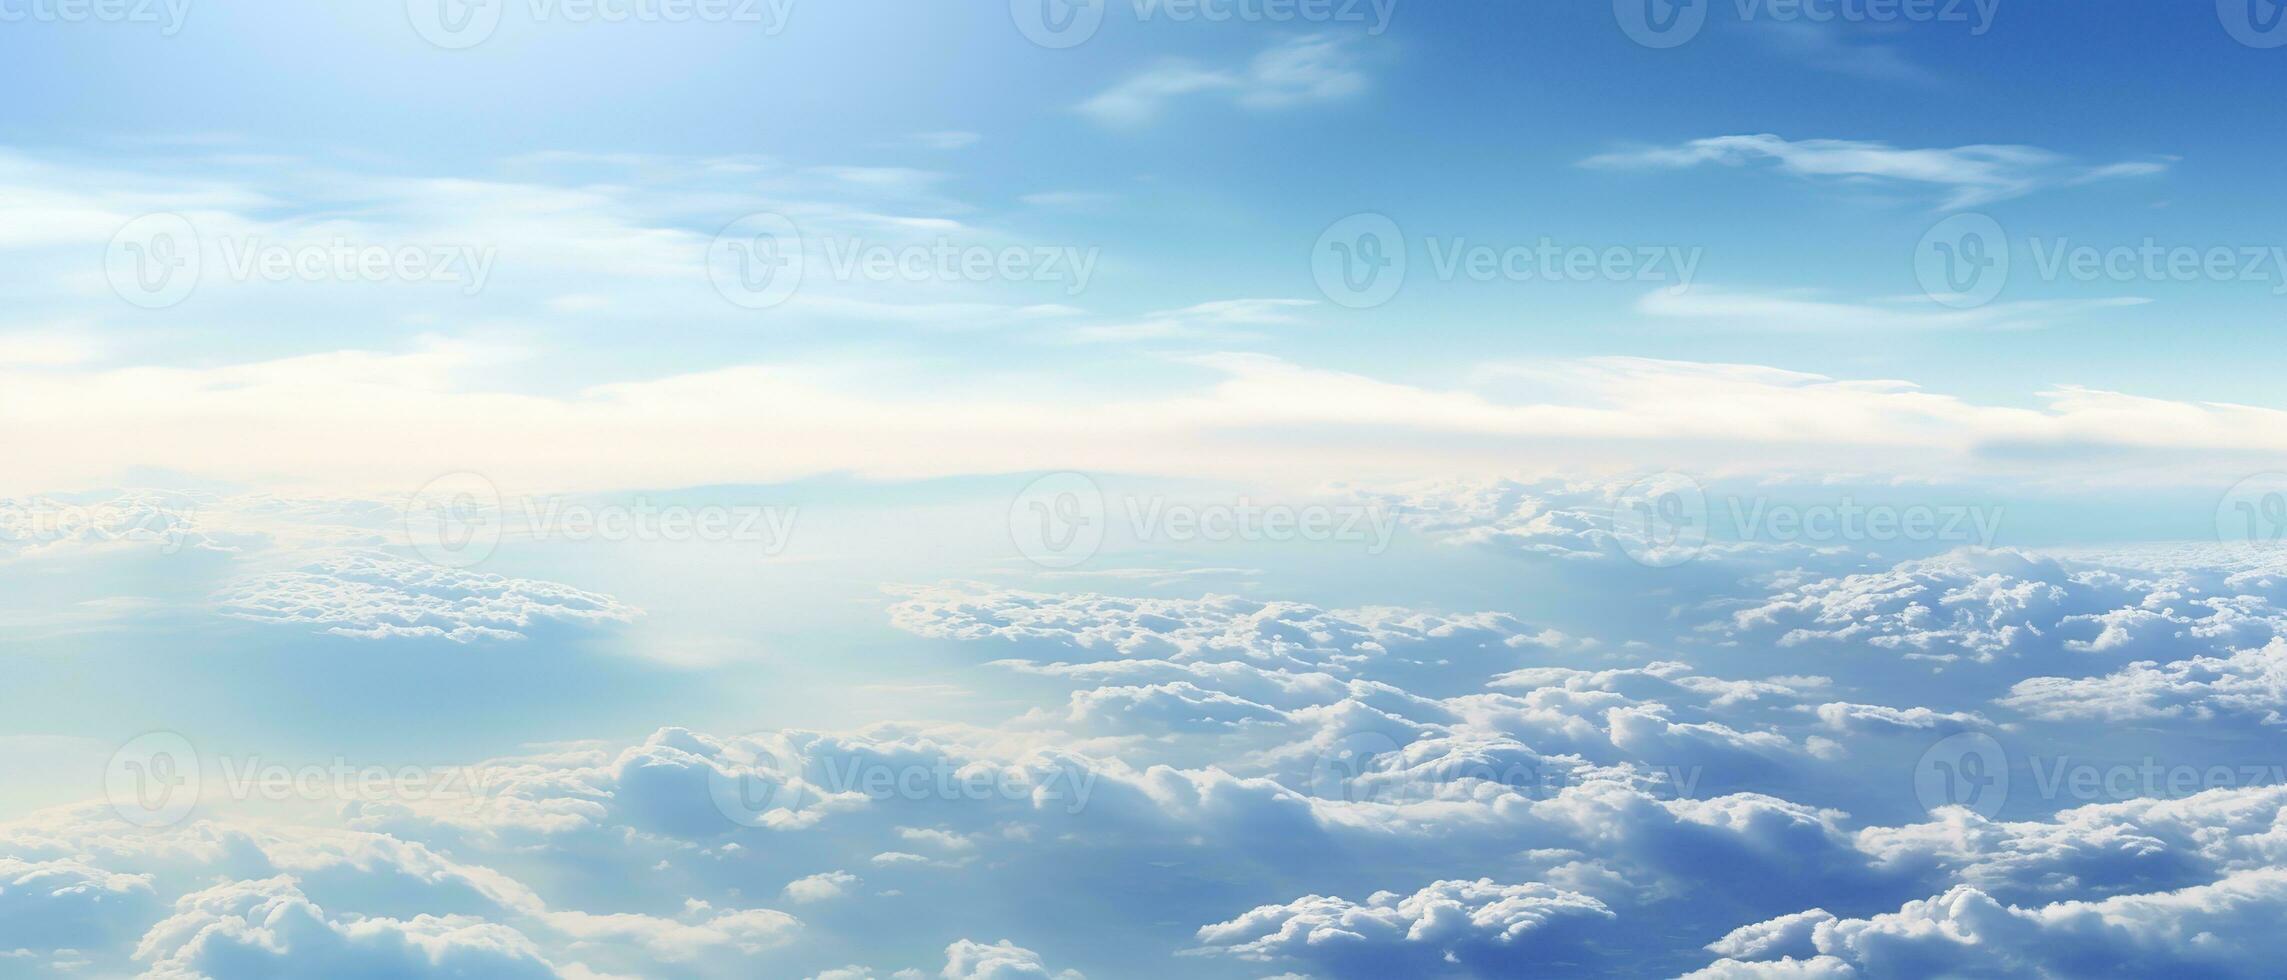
1325,491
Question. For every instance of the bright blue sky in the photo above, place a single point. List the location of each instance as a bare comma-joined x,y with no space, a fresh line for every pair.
1470,124
1585,529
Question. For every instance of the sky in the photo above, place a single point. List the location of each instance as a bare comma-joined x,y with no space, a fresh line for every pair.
1105,488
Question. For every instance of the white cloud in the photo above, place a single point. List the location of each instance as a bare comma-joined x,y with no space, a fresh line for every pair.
1221,319
1807,312
388,422
269,925
1474,925
822,886
374,596
1270,633
2219,929
1299,71
1004,960
2248,684
1968,175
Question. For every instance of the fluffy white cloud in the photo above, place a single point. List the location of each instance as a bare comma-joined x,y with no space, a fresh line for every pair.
2219,929
822,886
374,596
1474,925
67,904
971,960
2250,684
268,927
1282,634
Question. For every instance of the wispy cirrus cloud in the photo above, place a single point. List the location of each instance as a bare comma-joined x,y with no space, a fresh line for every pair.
1304,70
1226,319
1968,176
1801,310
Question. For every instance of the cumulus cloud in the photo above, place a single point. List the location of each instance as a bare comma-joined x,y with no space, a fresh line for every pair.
1475,925
2247,684
822,886
1284,634
2053,611
269,926
1004,960
2219,929
375,596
